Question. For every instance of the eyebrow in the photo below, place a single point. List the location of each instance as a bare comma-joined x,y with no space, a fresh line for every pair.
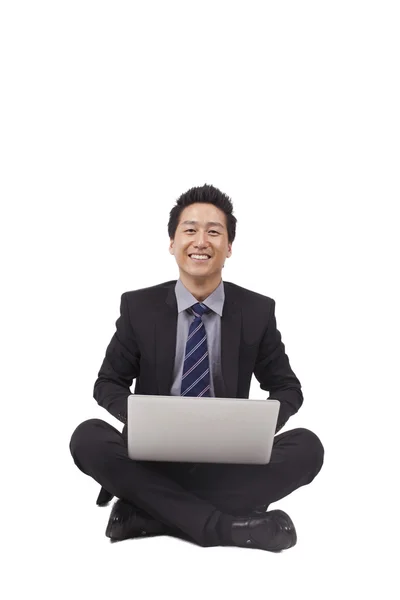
213,223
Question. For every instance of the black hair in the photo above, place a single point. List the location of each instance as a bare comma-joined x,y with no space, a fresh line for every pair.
206,193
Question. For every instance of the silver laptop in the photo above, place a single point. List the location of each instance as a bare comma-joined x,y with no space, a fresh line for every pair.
198,429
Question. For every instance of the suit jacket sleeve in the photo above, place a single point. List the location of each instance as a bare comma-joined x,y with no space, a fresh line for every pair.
120,366
274,373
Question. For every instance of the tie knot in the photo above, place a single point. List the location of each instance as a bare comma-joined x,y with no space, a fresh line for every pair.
200,309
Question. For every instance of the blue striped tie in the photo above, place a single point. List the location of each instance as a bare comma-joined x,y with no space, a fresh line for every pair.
196,366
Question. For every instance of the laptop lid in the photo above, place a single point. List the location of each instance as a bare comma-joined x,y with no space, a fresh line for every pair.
198,429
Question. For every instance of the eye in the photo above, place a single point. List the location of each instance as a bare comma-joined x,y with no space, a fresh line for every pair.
211,230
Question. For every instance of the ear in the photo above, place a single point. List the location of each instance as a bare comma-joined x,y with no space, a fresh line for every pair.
229,251
171,247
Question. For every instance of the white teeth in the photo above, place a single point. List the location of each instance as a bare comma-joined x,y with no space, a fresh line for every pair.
200,256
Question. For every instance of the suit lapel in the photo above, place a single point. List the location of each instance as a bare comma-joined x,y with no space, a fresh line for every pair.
231,325
165,342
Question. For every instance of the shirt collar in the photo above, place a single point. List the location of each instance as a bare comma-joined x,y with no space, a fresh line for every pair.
215,301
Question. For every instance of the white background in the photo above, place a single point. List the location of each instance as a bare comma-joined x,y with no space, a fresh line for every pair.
111,110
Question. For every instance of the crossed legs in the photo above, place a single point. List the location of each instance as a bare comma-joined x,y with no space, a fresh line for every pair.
191,500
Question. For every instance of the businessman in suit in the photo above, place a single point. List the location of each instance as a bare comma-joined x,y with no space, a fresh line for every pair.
197,336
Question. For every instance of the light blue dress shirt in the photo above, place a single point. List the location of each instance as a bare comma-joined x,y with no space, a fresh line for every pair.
212,324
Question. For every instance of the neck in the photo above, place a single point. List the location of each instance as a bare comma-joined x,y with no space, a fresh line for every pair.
200,289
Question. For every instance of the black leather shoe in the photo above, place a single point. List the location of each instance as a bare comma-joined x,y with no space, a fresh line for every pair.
273,531
128,521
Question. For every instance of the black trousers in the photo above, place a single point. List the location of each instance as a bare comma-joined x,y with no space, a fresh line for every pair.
189,498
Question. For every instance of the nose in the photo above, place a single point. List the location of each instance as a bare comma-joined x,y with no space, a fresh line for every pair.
201,240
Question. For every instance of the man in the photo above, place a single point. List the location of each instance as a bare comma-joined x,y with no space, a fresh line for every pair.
197,336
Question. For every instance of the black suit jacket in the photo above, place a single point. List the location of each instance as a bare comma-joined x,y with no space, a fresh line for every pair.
143,348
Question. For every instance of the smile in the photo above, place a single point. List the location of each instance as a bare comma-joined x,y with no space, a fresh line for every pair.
196,258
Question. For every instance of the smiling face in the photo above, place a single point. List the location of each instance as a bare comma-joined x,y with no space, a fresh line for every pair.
201,231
